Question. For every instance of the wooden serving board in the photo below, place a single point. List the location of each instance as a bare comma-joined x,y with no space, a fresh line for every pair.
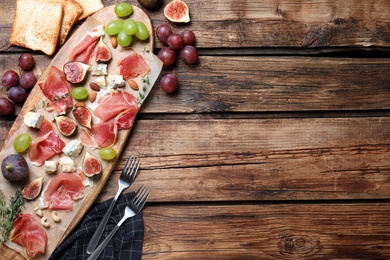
36,96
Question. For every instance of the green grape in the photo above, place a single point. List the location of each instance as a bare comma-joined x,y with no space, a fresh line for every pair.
107,153
123,9
130,26
142,32
114,27
124,39
80,93
22,143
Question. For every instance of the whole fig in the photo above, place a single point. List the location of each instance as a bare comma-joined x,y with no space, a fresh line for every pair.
150,4
14,167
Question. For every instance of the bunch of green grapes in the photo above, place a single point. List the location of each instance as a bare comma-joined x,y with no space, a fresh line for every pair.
124,30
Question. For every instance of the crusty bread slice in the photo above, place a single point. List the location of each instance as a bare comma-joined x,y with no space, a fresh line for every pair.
90,7
71,13
36,25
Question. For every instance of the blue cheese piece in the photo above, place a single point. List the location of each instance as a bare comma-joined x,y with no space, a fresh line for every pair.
115,81
73,148
101,82
67,164
50,167
100,70
33,119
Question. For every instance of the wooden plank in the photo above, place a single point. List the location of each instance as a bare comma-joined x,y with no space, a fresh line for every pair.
280,159
264,84
277,84
268,23
267,231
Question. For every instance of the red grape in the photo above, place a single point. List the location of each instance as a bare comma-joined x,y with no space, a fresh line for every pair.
169,83
10,79
189,54
26,61
167,56
17,94
163,32
188,37
6,107
175,41
27,80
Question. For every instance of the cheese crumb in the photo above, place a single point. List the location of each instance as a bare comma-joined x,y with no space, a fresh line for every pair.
115,81
67,164
73,148
50,167
33,119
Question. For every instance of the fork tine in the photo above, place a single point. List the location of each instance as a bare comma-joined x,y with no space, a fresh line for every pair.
141,194
131,167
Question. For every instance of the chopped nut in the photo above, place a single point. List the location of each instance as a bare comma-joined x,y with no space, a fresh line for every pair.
94,86
132,84
79,104
114,42
44,222
92,96
38,212
55,217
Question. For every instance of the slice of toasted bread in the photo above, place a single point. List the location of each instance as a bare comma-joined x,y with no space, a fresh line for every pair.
36,25
71,14
90,7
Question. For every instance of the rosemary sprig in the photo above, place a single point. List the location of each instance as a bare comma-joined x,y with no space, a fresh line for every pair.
9,214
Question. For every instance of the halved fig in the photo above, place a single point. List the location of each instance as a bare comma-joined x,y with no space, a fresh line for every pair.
66,125
177,11
103,53
75,71
83,116
91,165
32,190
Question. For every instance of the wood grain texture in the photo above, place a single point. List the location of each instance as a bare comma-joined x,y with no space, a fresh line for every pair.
269,23
265,84
264,156
266,231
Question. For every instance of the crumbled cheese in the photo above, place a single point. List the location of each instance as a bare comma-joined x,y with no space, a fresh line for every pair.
67,164
115,81
100,70
50,167
101,82
33,119
73,148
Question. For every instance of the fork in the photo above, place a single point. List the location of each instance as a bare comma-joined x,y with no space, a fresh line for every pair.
133,208
127,177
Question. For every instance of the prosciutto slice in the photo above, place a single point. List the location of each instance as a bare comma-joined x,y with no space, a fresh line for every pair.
100,135
117,111
112,104
83,51
28,232
57,90
62,191
46,144
132,66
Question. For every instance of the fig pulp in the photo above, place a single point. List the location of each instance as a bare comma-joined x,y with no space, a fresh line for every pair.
103,53
14,167
66,125
91,165
33,189
75,71
177,11
83,116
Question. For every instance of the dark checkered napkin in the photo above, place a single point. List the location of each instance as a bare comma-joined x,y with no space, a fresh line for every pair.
126,243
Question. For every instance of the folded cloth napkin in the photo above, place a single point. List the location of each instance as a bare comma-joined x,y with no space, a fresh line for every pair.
126,243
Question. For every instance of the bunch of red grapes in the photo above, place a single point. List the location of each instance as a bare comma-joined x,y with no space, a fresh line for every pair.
17,86
182,43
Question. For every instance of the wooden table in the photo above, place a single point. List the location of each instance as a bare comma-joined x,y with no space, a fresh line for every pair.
276,145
